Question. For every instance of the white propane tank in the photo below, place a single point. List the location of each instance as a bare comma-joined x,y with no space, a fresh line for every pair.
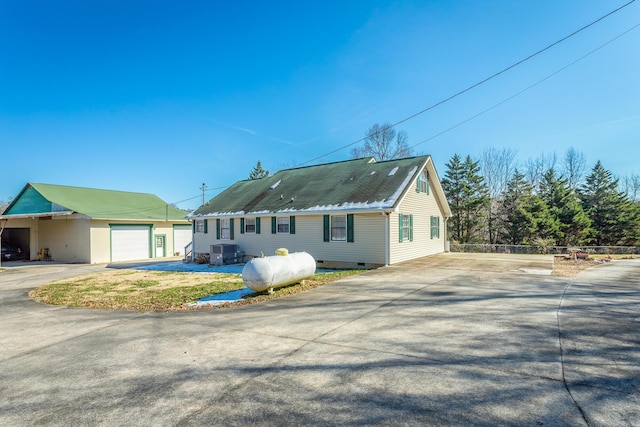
261,274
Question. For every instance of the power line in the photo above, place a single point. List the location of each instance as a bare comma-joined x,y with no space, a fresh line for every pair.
473,86
527,88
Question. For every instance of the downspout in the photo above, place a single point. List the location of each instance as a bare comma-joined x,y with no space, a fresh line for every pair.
2,227
447,245
387,240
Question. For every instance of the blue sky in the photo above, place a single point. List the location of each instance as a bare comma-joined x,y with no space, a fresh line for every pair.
161,96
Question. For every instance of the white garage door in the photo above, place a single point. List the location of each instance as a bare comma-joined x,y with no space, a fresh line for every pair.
130,242
181,238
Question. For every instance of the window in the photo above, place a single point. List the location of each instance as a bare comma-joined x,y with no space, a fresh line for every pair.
338,228
200,226
406,228
250,225
422,185
283,225
225,229
435,227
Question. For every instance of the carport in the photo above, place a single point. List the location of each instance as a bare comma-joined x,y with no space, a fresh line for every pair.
20,236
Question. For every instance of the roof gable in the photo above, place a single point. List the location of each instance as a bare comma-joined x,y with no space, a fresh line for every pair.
360,184
39,199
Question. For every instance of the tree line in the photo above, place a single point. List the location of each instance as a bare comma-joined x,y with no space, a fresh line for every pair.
546,203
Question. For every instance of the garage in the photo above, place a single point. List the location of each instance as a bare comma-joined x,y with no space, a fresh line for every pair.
181,238
129,242
19,237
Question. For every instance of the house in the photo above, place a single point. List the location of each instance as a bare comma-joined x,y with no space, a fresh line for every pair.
351,213
86,225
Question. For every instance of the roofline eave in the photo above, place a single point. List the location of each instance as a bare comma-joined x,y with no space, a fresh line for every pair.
302,212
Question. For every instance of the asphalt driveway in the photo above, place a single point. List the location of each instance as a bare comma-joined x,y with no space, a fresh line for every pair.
451,339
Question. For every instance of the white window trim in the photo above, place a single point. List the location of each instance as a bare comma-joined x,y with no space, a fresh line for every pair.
286,222
247,224
224,221
331,228
406,231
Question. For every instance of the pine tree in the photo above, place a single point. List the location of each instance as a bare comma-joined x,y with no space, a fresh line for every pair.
257,172
468,199
514,218
611,213
572,225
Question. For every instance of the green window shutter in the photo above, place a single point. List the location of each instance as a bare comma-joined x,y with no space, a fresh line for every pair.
241,225
231,229
258,225
350,228
411,228
432,224
273,225
292,225
428,185
194,226
218,228
206,226
438,225
326,231
418,184
400,231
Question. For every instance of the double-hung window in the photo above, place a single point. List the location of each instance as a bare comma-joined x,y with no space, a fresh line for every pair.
283,225
338,228
406,228
435,227
422,184
200,226
225,229
250,225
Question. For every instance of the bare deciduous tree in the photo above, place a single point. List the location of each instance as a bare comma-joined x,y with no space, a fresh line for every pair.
497,167
630,185
536,168
384,143
574,166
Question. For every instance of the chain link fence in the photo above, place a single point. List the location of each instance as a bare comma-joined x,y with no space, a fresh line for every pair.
532,249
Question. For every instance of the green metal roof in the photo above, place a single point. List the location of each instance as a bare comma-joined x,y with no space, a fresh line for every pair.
47,199
361,184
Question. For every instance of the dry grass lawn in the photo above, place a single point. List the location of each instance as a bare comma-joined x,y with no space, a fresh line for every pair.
156,291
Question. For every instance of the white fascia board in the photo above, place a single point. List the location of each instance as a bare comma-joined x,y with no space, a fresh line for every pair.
36,215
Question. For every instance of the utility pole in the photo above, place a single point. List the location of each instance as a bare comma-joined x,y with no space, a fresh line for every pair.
204,187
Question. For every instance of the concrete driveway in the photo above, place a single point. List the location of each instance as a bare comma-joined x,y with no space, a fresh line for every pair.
452,339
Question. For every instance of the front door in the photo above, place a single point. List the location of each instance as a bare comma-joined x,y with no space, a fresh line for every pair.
160,246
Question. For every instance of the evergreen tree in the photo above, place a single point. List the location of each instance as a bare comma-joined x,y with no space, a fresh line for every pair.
257,172
468,199
452,183
514,217
476,202
572,226
611,213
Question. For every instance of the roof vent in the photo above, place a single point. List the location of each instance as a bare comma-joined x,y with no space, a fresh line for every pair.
274,186
393,171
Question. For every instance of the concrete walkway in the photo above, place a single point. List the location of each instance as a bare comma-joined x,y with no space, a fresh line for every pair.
451,339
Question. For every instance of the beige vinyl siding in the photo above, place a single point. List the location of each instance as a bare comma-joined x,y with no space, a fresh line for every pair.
67,239
422,206
368,245
100,236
